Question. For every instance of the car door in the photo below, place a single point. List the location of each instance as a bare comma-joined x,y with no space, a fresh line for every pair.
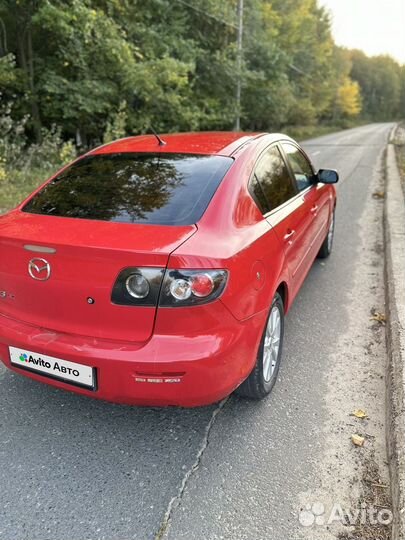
284,208
315,195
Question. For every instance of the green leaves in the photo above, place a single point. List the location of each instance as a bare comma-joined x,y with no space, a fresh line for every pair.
73,63
380,79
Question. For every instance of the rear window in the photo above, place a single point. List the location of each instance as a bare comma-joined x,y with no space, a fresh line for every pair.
165,189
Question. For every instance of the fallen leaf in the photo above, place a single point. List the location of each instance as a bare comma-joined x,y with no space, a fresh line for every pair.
357,440
359,413
379,317
379,194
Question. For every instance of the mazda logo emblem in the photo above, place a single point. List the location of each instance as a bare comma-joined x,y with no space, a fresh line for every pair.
39,269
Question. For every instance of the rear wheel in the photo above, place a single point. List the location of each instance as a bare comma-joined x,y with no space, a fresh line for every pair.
327,245
264,374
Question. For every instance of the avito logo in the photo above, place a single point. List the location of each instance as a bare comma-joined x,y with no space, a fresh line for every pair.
36,361
56,366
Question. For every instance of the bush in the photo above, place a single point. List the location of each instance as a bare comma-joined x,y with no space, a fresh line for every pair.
23,166
116,126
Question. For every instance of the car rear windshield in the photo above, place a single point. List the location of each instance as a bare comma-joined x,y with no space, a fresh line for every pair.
165,189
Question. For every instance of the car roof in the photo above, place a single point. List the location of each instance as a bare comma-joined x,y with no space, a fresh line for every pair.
223,143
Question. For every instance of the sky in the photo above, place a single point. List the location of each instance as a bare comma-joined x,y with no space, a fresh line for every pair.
374,26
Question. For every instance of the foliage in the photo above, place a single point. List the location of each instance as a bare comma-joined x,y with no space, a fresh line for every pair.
23,164
348,98
13,138
116,126
94,70
380,79
399,142
102,68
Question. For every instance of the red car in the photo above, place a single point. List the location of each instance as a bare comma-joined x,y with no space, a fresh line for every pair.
158,272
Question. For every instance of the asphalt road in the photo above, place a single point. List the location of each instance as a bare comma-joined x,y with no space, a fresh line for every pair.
75,469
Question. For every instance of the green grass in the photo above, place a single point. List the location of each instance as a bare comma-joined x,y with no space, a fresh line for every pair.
302,133
17,185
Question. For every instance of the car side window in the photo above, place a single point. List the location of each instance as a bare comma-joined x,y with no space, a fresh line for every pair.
300,166
272,178
258,194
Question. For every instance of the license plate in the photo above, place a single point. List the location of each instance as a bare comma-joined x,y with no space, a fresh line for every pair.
63,370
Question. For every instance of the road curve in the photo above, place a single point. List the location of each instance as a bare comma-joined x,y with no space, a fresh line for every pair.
73,468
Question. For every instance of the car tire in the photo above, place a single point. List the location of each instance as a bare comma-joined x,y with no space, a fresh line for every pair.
264,374
326,248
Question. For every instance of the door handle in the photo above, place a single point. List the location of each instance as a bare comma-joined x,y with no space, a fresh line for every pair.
290,233
314,209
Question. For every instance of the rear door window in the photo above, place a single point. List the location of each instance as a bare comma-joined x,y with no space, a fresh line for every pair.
165,189
272,175
300,166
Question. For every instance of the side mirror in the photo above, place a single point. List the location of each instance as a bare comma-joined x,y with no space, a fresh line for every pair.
327,176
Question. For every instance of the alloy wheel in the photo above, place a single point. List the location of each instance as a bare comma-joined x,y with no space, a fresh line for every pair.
271,344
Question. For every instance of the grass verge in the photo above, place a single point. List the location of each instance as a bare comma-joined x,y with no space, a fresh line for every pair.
19,184
399,143
301,133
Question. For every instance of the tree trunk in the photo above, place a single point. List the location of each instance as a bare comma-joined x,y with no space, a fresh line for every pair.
26,58
36,119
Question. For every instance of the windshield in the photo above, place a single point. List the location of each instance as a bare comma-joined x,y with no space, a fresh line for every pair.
165,189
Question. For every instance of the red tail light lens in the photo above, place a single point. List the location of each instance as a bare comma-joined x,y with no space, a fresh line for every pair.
202,285
192,287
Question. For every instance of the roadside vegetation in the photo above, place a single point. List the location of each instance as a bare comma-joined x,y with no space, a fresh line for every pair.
76,73
399,142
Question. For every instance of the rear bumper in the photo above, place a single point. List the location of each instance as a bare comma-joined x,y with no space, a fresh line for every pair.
191,368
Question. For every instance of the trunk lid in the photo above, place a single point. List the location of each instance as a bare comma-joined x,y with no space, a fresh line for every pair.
85,258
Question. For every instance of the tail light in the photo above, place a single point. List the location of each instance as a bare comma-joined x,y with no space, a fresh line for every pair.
192,287
138,287
151,286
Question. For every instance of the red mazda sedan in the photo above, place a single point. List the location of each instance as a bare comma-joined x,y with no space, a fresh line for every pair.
158,272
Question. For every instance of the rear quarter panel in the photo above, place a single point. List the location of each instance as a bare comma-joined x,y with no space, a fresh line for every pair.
234,235
255,274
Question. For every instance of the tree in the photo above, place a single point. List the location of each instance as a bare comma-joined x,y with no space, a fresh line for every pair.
96,68
17,23
349,98
379,78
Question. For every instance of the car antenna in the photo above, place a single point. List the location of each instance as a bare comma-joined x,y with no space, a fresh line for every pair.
161,141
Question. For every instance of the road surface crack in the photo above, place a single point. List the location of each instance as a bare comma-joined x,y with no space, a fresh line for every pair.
176,500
